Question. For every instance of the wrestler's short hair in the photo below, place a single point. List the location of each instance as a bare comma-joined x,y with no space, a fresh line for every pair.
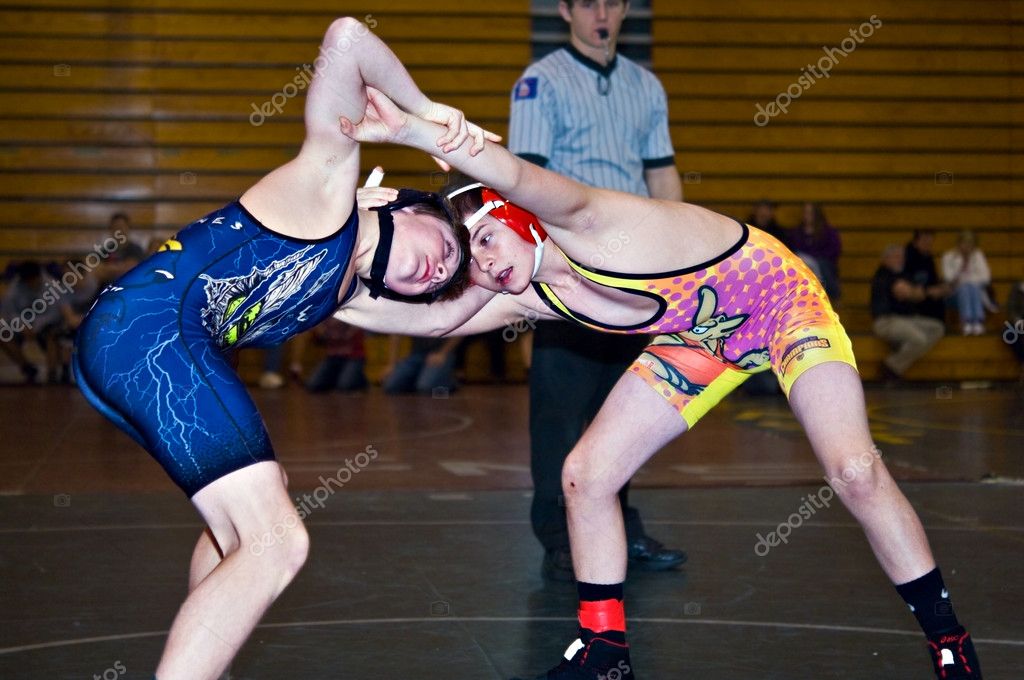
466,203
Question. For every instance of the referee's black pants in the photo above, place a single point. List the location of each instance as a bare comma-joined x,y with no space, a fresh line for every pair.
572,371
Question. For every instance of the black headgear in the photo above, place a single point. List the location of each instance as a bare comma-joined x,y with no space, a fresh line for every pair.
378,268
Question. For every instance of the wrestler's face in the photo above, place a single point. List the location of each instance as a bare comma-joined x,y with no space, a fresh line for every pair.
424,254
502,261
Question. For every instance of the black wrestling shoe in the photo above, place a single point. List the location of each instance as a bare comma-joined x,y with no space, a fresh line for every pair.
953,656
650,555
598,659
557,566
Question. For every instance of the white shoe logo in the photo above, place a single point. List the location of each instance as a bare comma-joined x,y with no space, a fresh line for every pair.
578,645
947,658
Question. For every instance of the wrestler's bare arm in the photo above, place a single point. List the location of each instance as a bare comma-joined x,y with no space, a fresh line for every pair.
477,311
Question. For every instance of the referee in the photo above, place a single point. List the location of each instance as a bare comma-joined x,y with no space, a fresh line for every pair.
588,113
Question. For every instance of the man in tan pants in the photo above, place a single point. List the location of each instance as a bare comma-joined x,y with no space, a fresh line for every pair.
893,303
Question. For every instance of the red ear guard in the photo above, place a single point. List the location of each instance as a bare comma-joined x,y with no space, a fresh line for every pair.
512,216
522,222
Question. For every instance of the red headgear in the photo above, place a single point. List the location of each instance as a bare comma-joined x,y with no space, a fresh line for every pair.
522,222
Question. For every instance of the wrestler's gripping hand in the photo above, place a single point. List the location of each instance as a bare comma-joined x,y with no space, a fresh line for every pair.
384,122
459,129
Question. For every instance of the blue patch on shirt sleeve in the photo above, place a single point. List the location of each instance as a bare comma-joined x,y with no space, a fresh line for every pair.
526,88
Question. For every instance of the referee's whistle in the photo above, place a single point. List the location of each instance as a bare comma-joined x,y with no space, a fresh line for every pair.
602,33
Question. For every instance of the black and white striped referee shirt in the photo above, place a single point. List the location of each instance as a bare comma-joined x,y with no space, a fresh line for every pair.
600,125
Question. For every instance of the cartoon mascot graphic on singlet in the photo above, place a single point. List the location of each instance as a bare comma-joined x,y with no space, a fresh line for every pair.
707,336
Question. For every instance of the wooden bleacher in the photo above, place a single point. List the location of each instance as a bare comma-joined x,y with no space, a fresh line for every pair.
935,89
144,107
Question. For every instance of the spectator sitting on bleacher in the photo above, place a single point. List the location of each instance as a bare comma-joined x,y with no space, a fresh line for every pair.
919,269
32,311
1013,332
343,366
138,242
763,217
818,244
133,249
894,300
966,270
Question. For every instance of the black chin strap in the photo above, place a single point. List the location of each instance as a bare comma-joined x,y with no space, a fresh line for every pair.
379,266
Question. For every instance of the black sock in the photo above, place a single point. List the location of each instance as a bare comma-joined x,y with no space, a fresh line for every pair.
595,592
929,601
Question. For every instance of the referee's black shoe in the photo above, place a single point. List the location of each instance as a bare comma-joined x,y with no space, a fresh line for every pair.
649,554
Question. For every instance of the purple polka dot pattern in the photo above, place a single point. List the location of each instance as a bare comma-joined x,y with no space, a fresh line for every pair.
779,306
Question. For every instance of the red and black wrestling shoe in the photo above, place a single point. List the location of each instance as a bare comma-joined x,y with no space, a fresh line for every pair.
953,656
595,659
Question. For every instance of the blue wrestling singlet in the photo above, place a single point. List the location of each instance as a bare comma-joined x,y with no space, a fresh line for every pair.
150,355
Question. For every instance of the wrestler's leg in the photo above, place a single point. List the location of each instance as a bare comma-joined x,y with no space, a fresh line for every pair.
207,554
255,524
828,400
632,425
